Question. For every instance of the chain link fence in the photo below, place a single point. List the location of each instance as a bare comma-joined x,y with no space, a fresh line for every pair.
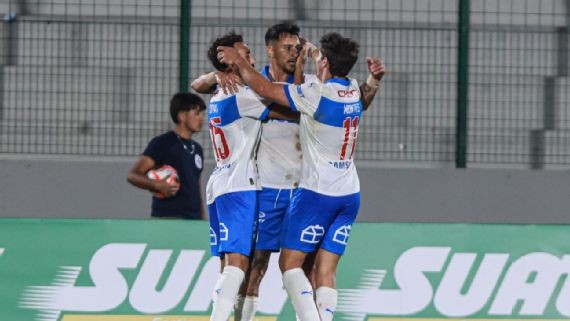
94,77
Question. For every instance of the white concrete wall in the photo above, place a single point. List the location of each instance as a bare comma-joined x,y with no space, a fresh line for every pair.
98,189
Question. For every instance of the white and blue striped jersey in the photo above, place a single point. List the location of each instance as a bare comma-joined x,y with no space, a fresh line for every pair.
330,115
279,154
235,126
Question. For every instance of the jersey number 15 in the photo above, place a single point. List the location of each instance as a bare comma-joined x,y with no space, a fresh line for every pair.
218,138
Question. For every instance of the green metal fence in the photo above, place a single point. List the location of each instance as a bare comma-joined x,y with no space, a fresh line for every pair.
471,83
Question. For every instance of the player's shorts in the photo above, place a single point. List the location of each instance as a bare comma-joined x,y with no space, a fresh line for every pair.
316,220
237,218
273,204
214,230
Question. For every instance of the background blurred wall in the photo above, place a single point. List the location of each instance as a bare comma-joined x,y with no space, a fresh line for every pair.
85,84
98,189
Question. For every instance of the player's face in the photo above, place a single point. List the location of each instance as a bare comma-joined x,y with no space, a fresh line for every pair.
285,52
193,120
244,51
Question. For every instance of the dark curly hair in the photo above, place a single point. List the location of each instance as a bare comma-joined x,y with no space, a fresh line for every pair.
275,31
341,53
228,40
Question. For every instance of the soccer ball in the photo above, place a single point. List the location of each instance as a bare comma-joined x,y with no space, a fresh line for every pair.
164,172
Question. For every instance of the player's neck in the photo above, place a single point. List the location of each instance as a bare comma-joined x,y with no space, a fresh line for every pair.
235,71
276,73
325,76
183,132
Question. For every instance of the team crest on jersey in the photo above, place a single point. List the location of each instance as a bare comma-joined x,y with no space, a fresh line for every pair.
341,234
312,234
198,161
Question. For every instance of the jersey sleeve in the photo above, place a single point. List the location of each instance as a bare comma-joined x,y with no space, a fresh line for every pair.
304,98
154,150
250,105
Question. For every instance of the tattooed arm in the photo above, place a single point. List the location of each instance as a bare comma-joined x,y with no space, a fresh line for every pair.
369,89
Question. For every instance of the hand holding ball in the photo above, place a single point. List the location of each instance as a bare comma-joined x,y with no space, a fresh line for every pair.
167,179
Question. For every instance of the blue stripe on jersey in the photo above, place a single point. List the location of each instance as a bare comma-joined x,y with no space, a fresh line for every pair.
334,113
342,81
290,80
226,109
265,114
265,73
288,94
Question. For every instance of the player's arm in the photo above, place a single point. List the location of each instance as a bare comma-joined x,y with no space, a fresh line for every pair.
259,84
308,50
137,177
206,84
369,89
284,113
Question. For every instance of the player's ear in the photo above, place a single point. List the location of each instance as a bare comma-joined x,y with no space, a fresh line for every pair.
269,49
324,62
180,117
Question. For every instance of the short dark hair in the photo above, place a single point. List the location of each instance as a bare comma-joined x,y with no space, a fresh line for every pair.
228,40
341,53
184,102
274,32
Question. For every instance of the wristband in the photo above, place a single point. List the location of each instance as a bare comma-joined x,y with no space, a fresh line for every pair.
372,82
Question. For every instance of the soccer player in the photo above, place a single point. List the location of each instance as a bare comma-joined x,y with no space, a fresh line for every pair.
326,203
278,157
235,123
278,162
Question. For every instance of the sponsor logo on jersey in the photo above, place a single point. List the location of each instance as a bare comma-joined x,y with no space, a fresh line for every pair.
341,164
347,93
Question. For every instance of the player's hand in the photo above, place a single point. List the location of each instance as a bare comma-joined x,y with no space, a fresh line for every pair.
302,58
376,67
229,82
228,55
310,50
166,189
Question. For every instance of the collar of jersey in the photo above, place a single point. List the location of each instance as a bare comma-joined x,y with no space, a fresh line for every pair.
342,81
265,73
